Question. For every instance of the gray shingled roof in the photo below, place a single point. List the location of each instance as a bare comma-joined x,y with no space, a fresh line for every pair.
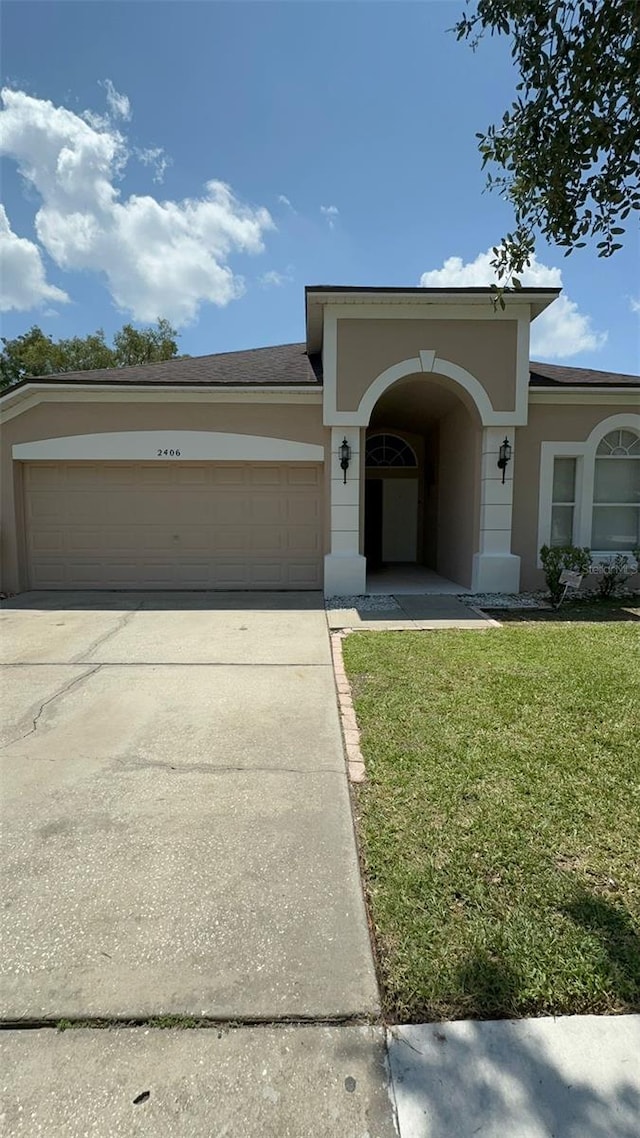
287,364
266,367
551,375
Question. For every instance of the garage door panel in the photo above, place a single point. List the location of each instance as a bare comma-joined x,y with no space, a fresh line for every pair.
265,475
268,539
302,540
48,541
191,476
170,525
225,475
227,510
302,575
301,512
303,476
157,475
47,574
230,539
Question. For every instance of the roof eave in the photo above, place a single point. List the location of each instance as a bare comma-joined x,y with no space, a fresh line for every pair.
318,296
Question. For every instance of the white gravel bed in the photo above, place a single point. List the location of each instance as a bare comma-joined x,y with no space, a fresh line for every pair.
506,600
377,602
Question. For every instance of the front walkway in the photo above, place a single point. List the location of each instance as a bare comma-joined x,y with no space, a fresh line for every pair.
404,611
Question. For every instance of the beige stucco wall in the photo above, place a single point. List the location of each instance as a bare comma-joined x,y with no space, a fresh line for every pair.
486,348
458,495
547,423
295,422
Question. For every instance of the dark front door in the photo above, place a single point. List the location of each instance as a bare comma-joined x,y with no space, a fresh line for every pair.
373,522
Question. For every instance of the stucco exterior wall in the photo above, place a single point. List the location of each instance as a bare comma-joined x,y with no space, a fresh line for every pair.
294,422
547,423
486,348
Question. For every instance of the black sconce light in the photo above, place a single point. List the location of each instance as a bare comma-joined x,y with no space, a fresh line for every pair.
345,457
504,456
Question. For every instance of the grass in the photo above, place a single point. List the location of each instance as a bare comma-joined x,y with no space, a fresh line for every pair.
499,824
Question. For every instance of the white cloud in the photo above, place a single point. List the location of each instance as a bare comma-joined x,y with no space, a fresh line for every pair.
159,258
330,212
274,279
118,104
283,200
23,282
561,331
157,158
634,304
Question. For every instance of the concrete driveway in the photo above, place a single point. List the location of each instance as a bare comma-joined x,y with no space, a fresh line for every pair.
177,828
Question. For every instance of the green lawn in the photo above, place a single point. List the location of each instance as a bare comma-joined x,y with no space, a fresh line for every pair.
500,820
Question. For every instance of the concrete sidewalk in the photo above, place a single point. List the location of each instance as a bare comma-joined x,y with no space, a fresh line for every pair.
261,1082
572,1077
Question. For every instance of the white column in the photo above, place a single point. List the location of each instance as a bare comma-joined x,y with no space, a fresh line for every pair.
495,568
345,570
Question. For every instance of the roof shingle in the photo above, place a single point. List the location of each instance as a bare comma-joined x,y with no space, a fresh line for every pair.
554,375
286,365
278,366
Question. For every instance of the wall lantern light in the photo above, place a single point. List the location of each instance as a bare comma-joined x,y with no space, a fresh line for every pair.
504,456
345,457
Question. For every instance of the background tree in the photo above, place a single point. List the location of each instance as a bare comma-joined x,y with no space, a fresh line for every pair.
568,149
34,353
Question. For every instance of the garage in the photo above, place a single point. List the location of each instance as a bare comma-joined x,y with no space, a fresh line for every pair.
173,525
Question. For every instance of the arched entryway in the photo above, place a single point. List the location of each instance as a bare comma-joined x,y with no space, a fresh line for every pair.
470,495
422,456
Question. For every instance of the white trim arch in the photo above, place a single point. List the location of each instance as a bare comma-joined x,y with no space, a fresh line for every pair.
614,422
175,446
428,363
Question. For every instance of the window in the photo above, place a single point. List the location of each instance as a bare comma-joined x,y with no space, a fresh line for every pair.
616,493
389,450
563,501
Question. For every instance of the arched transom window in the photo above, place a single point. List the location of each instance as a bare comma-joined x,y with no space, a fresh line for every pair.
616,492
390,451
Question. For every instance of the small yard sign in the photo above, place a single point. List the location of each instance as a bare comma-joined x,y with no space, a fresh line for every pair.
571,579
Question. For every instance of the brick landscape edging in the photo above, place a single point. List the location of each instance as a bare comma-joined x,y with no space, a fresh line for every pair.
350,731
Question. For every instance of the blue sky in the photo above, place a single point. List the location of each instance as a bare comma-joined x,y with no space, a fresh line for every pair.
345,133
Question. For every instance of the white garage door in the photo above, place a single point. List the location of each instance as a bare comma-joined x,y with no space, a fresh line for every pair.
199,525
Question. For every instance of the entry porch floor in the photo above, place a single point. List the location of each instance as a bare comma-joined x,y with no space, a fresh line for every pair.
405,579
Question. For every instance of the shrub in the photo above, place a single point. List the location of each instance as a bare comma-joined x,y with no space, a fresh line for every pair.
558,557
612,573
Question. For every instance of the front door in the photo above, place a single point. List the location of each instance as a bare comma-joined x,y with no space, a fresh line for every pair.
399,519
391,520
373,522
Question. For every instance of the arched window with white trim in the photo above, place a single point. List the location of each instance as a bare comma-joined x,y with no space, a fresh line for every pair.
388,450
616,493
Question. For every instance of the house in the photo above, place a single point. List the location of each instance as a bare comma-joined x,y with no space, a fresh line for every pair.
309,466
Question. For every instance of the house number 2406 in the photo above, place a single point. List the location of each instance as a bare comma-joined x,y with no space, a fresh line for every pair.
167,453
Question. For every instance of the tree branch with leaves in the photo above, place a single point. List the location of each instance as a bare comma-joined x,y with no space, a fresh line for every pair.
34,353
567,151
